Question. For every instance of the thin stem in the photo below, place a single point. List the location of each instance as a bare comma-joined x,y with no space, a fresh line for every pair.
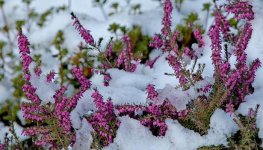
6,25
103,11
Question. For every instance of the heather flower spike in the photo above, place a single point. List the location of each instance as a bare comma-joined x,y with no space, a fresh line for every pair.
167,8
84,33
24,51
241,10
152,93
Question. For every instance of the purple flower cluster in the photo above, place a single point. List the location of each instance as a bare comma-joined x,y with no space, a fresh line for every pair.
84,82
199,38
85,34
104,120
167,9
37,112
50,76
152,93
177,67
126,56
241,10
238,81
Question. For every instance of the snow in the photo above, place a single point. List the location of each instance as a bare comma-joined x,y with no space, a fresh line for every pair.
177,137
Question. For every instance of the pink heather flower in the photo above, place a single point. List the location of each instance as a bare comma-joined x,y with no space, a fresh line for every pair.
50,76
199,38
104,121
108,52
129,110
152,93
38,71
98,100
120,59
230,108
216,46
156,41
188,52
74,100
84,82
182,113
150,63
24,51
241,46
59,93
128,54
206,88
241,10
2,146
252,70
30,93
31,131
222,23
33,111
224,70
107,78
176,65
85,34
167,8
63,115
232,80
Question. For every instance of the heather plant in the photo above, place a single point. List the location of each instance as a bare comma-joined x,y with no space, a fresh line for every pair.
49,117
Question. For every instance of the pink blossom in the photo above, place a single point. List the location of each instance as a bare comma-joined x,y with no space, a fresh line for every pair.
167,8
85,34
152,93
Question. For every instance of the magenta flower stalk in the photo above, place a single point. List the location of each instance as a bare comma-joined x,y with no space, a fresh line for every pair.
241,10
106,79
104,120
108,52
50,76
152,93
37,71
230,108
24,51
156,41
199,38
216,46
241,47
176,65
128,54
167,9
150,63
84,82
223,24
98,100
63,115
84,33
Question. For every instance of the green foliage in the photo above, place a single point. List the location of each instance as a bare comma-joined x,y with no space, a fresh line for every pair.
136,9
115,7
18,83
8,111
201,109
27,1
99,2
2,2
206,6
139,41
220,147
43,17
186,36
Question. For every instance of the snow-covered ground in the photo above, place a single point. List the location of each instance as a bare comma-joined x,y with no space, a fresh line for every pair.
126,87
